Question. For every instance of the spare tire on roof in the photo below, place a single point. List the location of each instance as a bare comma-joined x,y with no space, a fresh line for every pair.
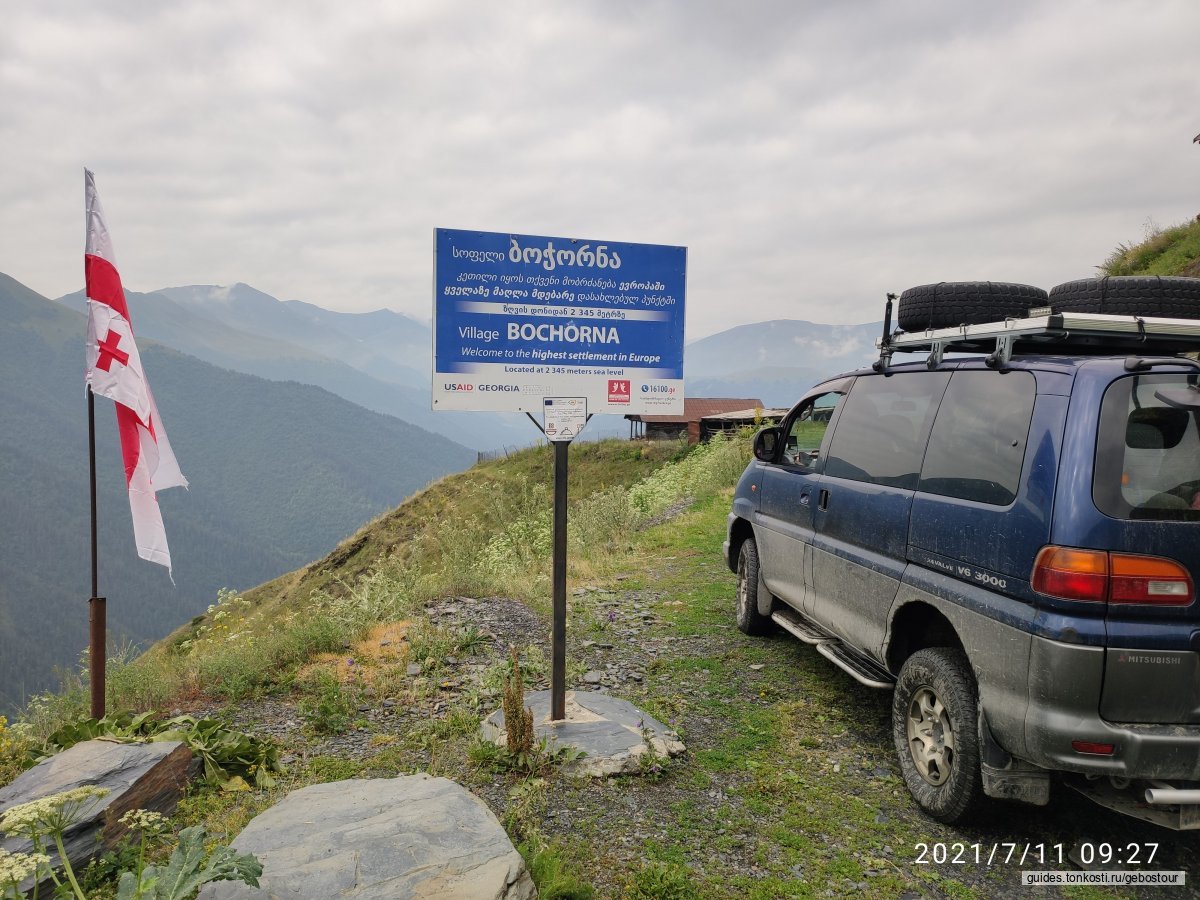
951,303
1171,297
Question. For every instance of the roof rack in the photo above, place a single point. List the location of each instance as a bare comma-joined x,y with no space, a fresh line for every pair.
1047,332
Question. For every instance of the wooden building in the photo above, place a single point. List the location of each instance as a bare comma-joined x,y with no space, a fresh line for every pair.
665,428
741,418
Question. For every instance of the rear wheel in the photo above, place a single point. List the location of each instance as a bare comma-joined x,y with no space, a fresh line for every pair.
749,619
935,726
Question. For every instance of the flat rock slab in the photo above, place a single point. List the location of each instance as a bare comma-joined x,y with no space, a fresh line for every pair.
380,839
614,734
138,776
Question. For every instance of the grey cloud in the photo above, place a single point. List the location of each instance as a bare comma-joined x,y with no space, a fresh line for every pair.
811,155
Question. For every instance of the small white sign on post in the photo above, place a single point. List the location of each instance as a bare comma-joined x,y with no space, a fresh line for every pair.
564,417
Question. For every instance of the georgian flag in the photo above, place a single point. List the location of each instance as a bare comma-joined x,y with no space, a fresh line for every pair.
114,370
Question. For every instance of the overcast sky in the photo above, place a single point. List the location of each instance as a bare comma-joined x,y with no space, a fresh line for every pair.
810,155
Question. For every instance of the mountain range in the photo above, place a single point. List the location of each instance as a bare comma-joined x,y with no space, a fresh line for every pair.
280,472
383,360
294,424
776,361
379,360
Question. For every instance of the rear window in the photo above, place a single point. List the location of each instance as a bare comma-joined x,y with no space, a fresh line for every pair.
1148,450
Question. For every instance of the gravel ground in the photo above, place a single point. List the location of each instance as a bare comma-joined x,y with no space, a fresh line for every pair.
618,826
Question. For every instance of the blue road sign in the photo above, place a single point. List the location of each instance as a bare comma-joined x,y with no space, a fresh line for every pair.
519,317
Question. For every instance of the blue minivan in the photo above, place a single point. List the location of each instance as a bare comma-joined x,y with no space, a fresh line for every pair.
1008,540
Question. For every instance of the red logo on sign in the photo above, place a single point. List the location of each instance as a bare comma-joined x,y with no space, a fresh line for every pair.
618,391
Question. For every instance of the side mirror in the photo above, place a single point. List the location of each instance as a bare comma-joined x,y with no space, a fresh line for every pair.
766,443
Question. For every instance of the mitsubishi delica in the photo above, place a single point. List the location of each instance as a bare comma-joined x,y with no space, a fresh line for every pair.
1003,532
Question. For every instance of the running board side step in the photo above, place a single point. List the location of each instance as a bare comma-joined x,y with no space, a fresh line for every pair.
798,626
857,665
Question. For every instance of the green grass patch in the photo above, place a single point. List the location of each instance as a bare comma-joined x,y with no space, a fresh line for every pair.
1171,251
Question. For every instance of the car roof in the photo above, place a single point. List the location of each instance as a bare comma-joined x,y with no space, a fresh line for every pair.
1030,362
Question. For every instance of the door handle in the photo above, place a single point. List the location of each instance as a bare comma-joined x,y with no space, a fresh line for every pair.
823,500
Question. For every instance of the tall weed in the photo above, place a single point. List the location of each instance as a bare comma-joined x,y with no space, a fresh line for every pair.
602,523
716,464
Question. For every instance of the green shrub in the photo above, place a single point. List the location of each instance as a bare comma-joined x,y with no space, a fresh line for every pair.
707,467
323,769
235,673
555,878
662,882
390,592
603,522
15,746
1172,251
328,708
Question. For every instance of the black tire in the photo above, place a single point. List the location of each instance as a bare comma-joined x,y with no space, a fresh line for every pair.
1171,297
935,724
749,583
951,303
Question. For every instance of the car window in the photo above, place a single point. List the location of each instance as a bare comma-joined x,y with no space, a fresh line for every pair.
1148,448
806,430
977,445
883,426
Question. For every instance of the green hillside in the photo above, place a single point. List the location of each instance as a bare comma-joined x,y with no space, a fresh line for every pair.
279,473
1173,251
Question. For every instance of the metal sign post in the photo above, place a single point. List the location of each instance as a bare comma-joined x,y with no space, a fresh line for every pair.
558,634
564,419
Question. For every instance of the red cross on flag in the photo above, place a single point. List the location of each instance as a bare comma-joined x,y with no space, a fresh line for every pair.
114,370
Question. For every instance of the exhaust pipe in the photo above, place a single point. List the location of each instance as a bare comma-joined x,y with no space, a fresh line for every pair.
1169,796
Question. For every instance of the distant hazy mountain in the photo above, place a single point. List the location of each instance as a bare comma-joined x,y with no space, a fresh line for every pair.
384,344
383,360
279,472
776,361
380,360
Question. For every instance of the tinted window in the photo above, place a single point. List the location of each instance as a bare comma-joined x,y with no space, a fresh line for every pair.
1148,449
806,431
978,441
881,433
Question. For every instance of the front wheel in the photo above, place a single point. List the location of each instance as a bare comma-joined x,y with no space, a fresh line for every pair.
935,726
749,619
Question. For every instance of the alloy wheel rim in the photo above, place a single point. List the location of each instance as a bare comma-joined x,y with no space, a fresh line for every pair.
930,736
742,589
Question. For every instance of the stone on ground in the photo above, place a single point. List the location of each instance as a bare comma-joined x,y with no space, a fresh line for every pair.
616,737
380,839
138,776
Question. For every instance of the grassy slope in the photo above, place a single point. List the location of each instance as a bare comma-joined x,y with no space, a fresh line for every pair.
1173,251
790,786
475,496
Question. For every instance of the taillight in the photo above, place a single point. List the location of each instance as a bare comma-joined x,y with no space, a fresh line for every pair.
1148,579
1097,576
1071,574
